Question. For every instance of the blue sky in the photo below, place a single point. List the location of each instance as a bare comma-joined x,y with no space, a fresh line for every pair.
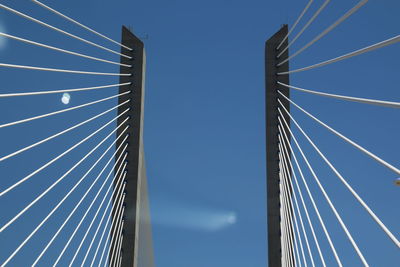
204,121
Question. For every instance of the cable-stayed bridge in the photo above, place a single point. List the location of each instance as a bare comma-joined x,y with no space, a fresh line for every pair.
100,215
292,238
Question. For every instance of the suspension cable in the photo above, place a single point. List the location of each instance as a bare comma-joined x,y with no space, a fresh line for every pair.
61,31
383,103
285,234
118,233
64,90
119,243
61,155
109,221
119,249
59,180
349,187
120,260
60,133
305,27
287,185
327,30
296,202
289,225
61,50
117,240
61,110
6,65
328,237
86,193
348,140
121,222
283,253
115,224
80,24
58,205
337,215
114,233
289,209
119,174
97,230
384,43
295,24
122,178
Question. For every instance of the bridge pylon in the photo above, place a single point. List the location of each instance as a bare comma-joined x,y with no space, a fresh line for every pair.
273,47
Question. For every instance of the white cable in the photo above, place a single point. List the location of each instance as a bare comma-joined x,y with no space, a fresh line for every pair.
292,196
112,247
120,260
287,261
289,250
50,214
93,220
296,22
314,206
61,111
289,225
119,172
348,186
348,140
283,227
117,223
118,236
6,65
93,238
305,26
61,31
59,133
118,251
80,24
64,90
113,224
283,249
327,30
289,210
297,205
337,215
60,49
115,191
59,180
59,156
84,196
56,208
308,190
387,42
376,102
288,258
102,255
292,258
288,177
109,221
292,214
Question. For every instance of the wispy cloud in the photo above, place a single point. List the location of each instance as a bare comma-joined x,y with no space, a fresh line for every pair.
181,215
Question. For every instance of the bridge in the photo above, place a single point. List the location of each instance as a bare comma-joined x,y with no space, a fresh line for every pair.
74,186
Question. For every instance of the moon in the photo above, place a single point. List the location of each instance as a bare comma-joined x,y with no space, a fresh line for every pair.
66,98
3,40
